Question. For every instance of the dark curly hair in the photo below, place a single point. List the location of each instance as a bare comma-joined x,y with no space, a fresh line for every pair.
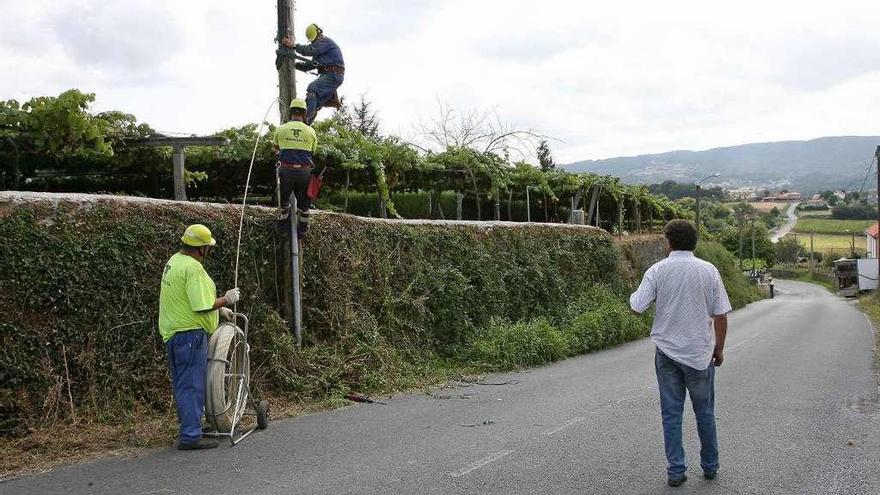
681,234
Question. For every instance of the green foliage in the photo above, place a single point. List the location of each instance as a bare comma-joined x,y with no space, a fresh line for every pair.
596,319
58,129
384,302
545,157
510,345
833,226
854,212
600,318
739,289
735,238
788,249
677,190
94,153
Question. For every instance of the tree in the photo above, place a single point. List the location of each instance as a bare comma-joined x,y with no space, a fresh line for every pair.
545,157
788,249
365,119
479,130
764,247
46,130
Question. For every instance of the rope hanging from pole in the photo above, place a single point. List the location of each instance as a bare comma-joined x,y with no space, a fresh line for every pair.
246,187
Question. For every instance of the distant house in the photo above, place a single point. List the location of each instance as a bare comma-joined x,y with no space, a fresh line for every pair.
871,236
783,197
815,203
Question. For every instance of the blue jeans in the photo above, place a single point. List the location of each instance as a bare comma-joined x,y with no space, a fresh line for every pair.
187,354
673,378
321,91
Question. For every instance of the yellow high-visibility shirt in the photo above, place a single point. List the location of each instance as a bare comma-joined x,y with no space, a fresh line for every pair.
186,297
297,142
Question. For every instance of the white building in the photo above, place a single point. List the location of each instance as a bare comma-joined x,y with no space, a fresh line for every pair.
871,237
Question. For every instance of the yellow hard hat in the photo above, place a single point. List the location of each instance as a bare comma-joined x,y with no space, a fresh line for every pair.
198,235
298,103
312,31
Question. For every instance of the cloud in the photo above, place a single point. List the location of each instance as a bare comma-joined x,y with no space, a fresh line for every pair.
134,36
610,78
816,63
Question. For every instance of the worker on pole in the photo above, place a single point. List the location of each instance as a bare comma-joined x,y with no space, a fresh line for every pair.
296,143
326,57
189,311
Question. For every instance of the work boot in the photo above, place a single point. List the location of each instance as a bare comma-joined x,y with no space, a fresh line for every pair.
201,444
676,482
710,475
302,228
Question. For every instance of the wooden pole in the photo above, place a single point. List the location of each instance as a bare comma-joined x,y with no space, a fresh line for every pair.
287,72
178,158
877,241
812,257
528,206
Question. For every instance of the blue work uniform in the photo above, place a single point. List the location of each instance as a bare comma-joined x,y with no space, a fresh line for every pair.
322,91
186,318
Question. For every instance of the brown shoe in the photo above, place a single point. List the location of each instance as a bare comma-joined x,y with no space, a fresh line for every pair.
201,444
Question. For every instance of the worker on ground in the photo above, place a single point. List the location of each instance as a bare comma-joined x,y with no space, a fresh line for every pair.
327,59
189,311
296,143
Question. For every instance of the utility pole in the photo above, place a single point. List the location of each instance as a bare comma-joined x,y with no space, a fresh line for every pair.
698,211
812,258
290,244
753,245
528,206
877,242
699,182
287,72
740,234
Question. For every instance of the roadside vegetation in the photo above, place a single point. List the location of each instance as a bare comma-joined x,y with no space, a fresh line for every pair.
388,307
464,165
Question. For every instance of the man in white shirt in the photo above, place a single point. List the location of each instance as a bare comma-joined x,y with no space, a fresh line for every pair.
689,297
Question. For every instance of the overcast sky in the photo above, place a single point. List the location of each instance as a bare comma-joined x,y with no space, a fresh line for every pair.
603,78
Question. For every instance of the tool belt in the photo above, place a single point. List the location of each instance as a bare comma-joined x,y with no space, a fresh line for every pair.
337,69
289,166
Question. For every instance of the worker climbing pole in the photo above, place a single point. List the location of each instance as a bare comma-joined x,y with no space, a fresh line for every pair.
325,58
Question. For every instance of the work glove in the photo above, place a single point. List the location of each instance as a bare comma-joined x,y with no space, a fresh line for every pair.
284,51
232,295
227,314
305,66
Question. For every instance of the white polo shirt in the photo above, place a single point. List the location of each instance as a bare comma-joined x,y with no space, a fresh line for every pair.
688,292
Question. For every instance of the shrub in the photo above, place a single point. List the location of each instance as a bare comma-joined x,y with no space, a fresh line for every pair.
383,301
599,319
739,289
507,345
854,212
596,319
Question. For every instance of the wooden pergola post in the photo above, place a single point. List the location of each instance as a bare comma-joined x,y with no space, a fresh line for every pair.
178,157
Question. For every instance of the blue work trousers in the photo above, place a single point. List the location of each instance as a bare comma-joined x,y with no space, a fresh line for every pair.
321,91
187,354
673,379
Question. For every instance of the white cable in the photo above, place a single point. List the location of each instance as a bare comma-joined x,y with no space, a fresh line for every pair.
244,201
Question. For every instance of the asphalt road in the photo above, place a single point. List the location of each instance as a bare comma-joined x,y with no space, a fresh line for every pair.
796,403
789,224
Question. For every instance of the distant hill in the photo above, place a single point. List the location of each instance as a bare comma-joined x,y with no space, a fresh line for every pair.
823,163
